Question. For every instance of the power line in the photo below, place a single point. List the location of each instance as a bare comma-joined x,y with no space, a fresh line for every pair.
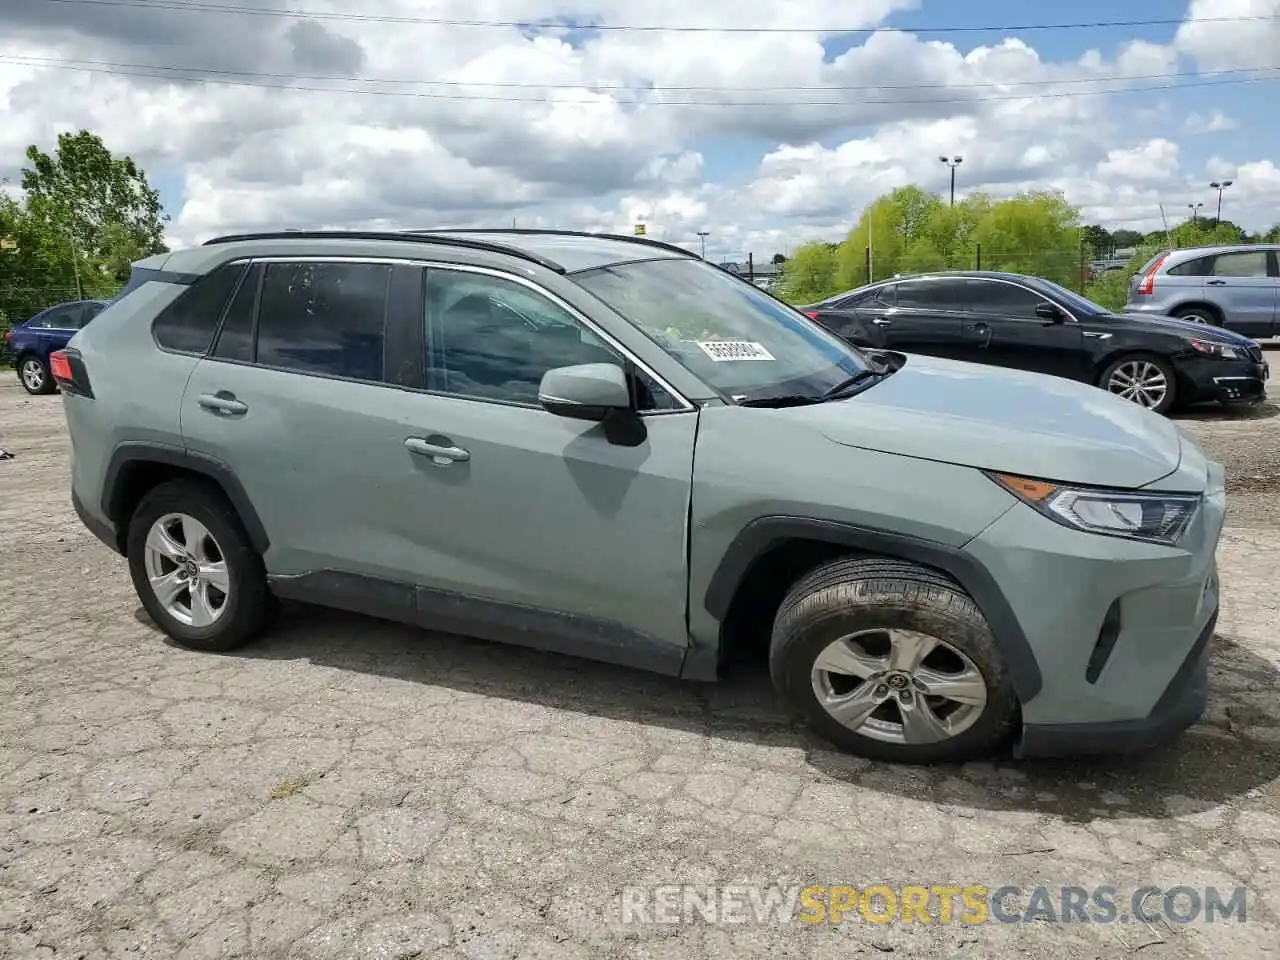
593,85
180,73
545,24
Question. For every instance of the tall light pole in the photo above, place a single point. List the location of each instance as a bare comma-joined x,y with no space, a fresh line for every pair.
1220,185
702,235
1195,213
952,162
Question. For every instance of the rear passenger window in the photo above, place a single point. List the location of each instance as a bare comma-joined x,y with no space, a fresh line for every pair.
324,318
1251,263
187,325
1199,267
235,341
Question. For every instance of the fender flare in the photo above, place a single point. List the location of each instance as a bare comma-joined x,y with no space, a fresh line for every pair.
132,452
764,533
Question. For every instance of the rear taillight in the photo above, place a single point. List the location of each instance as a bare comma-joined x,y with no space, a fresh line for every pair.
1148,283
8,336
67,367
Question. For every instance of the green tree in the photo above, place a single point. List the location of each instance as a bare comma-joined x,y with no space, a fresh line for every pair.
810,273
1098,240
1034,233
778,260
1124,239
97,207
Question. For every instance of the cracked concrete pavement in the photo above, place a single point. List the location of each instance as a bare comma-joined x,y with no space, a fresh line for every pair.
350,788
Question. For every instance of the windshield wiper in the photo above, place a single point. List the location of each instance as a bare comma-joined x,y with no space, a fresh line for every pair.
845,389
785,400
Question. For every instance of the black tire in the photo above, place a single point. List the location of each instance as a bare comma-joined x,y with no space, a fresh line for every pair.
47,384
847,596
1200,313
1170,378
248,600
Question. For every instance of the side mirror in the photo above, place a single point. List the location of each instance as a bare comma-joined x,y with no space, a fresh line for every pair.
586,391
1049,311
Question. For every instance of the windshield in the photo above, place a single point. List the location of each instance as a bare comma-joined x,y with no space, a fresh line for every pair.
733,336
1074,301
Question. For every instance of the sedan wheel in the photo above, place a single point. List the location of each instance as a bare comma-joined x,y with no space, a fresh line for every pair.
899,686
1141,381
34,378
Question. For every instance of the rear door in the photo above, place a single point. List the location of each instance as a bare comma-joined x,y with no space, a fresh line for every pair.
57,326
1242,284
1021,339
929,317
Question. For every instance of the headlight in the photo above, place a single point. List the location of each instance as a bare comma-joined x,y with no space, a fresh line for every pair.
1153,517
1220,350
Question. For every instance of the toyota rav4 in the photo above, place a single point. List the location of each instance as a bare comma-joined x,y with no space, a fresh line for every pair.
608,447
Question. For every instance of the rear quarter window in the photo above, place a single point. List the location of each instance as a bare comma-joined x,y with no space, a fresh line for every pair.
1199,267
188,324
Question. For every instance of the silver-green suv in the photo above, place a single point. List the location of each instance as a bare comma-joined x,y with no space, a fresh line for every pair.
607,446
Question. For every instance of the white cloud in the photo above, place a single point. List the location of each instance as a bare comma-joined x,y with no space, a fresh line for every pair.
1222,43
600,129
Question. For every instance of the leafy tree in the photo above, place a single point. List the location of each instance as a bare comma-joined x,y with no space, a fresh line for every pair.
778,259
98,207
1098,240
810,273
1123,239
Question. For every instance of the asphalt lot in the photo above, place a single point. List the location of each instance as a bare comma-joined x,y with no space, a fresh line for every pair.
350,788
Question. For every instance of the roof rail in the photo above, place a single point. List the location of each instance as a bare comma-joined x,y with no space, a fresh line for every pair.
534,231
422,236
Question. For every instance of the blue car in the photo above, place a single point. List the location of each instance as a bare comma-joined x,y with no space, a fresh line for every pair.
31,343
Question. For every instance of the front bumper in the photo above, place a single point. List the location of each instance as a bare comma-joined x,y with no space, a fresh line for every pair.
1118,629
1202,379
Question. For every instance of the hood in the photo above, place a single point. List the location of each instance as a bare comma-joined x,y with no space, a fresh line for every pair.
1007,420
1174,325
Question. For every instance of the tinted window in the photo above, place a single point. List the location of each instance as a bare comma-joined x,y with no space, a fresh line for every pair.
1252,263
187,325
324,318
67,317
928,294
91,310
1200,267
235,340
1004,299
493,339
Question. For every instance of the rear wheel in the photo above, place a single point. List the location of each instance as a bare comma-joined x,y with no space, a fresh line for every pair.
892,661
1199,313
35,376
193,567
1142,379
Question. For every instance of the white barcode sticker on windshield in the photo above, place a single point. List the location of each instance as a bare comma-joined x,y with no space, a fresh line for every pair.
721,350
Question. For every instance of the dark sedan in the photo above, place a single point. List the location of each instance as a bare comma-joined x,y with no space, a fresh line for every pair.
30,343
1030,323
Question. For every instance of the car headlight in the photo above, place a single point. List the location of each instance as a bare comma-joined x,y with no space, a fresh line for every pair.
1136,515
1222,351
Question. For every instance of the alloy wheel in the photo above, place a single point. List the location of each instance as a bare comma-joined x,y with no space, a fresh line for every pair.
33,374
899,686
187,570
1140,381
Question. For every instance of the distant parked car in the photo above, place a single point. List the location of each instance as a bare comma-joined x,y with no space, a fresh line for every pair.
1011,320
1234,287
31,343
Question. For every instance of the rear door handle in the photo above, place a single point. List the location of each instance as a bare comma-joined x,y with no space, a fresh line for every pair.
442,454
1216,283
222,403
881,321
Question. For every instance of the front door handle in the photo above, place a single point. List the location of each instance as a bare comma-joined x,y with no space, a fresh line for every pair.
222,403
1217,283
441,454
881,321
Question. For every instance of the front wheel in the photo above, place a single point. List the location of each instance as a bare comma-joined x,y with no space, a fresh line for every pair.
35,375
1145,380
892,661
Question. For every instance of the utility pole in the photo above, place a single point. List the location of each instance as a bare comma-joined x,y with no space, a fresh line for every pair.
1220,186
952,162
702,235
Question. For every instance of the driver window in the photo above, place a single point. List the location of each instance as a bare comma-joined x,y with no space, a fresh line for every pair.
493,339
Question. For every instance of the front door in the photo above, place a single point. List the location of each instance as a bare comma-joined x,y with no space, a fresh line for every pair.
1244,286
1021,339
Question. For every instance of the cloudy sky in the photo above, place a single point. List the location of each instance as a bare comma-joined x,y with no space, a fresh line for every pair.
764,122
